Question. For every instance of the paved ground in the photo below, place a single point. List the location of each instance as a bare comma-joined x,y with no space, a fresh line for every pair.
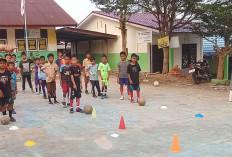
149,130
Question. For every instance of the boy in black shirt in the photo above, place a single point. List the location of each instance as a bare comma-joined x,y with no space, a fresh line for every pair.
133,71
6,90
75,85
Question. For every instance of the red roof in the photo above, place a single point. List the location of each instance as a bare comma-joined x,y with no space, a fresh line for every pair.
40,13
142,19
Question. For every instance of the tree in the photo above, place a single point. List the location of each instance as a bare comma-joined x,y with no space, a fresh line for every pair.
166,13
217,22
123,8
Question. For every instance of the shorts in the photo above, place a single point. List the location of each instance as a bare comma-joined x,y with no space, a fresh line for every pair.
6,100
105,81
51,86
124,81
134,87
37,81
65,87
75,93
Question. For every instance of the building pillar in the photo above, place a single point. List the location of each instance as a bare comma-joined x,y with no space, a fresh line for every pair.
171,58
226,68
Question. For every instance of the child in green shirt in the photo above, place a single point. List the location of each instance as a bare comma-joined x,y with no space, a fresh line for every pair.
104,70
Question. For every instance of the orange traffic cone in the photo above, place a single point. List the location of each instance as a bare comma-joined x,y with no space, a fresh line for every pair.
122,124
175,144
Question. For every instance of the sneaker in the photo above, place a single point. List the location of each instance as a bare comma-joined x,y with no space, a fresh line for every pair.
79,110
71,111
122,98
13,111
12,119
86,92
132,101
50,102
56,102
99,94
68,104
37,93
106,96
102,97
94,95
44,97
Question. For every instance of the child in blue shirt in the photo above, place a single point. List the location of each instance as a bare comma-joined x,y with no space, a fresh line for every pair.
42,76
11,66
93,69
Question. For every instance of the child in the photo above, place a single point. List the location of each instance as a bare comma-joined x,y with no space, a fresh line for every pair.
65,80
93,69
51,71
104,69
122,74
11,66
8,60
60,57
133,71
37,67
13,57
6,90
42,76
86,63
76,85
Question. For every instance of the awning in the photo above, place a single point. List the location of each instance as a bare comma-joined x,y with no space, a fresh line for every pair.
75,35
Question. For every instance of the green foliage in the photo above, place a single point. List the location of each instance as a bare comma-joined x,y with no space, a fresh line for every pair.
216,20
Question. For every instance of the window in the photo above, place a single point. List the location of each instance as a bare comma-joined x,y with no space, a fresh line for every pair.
44,33
3,34
19,33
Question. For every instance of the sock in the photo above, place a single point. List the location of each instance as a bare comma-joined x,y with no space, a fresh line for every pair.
4,113
121,91
10,113
55,98
39,88
71,103
64,99
68,101
78,104
105,90
49,98
128,91
138,95
131,93
36,89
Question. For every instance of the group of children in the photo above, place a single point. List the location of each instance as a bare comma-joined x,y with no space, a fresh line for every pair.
70,75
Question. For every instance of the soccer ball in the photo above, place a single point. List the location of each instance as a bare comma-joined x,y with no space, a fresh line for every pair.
5,120
142,102
156,84
88,109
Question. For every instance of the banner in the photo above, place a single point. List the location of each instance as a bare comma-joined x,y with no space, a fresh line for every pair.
144,36
175,42
42,44
163,42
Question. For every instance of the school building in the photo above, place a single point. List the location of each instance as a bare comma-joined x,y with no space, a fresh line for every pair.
99,33
43,16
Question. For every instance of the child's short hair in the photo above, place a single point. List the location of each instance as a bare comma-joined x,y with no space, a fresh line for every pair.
87,52
23,54
3,60
36,59
13,55
50,55
7,55
92,59
10,63
42,57
122,53
104,56
75,57
133,55
67,56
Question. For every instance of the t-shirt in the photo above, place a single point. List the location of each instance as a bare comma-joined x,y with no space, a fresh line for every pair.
51,70
25,66
134,70
104,69
76,72
65,73
14,80
37,67
58,61
93,70
122,66
5,83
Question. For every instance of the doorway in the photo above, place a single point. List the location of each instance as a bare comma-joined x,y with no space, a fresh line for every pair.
157,59
189,55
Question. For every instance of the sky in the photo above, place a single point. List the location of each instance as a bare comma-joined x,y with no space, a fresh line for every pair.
77,9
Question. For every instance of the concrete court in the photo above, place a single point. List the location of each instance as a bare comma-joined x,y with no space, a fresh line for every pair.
149,130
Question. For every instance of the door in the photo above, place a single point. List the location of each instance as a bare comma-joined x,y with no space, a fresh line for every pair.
157,59
189,55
